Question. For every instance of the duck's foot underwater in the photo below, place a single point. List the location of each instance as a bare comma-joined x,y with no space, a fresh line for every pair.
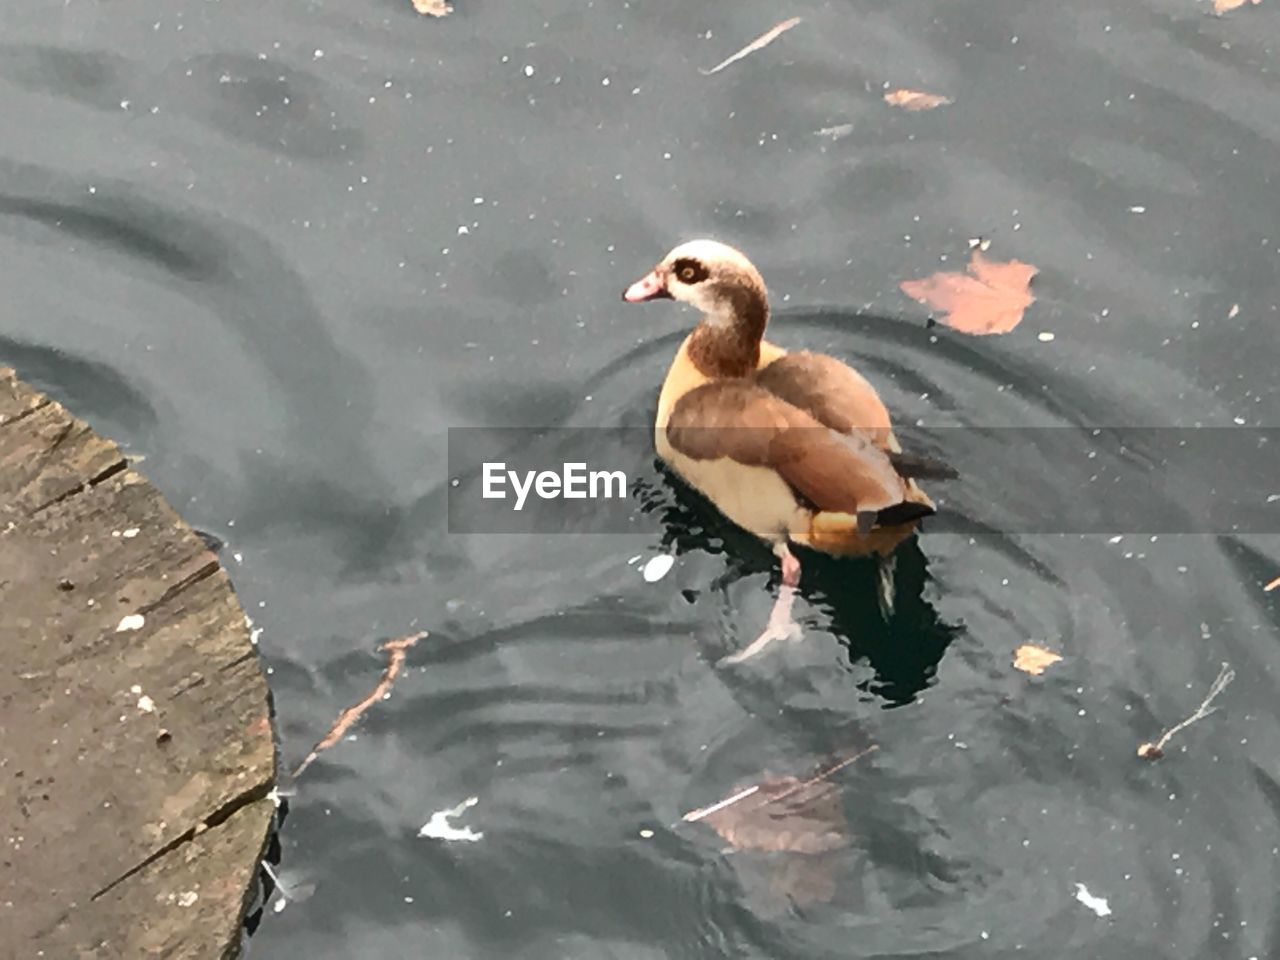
781,625
886,584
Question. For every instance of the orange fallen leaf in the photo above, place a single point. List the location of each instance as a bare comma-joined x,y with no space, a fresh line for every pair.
1272,585
990,298
1222,6
914,99
433,8
1034,660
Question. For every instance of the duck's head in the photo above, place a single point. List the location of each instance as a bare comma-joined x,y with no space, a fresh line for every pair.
712,276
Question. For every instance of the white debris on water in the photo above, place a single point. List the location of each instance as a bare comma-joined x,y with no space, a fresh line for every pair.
1045,337
838,132
133,621
439,827
1098,905
657,567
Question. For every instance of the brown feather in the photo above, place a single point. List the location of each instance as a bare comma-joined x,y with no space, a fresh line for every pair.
749,425
831,392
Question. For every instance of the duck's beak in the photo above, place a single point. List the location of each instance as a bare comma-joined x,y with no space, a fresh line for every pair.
650,287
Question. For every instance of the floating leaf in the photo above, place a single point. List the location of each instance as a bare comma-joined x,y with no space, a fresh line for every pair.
1034,660
1222,6
433,8
990,298
914,99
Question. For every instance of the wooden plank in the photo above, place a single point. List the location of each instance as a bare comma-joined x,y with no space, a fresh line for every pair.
133,711
189,904
17,399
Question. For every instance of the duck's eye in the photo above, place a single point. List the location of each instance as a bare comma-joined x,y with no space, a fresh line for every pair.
690,271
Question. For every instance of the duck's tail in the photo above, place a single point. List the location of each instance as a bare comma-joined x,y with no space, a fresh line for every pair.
917,467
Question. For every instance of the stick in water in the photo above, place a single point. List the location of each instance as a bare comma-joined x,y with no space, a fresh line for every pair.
693,816
758,43
1154,751
1272,585
395,650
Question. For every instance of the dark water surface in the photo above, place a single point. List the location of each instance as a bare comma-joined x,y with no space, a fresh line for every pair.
232,236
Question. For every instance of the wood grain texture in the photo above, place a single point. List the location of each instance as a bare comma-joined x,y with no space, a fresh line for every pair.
124,831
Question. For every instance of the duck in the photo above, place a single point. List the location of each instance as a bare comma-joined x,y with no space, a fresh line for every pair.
795,447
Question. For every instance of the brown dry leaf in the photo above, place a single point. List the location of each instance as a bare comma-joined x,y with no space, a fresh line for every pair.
1034,660
433,8
914,99
784,813
990,298
1222,6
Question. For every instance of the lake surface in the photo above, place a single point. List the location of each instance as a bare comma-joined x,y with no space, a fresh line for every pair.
281,250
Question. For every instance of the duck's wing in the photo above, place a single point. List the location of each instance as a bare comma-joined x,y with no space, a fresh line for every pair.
834,471
839,397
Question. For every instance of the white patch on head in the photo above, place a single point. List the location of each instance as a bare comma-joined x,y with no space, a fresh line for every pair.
716,257
710,252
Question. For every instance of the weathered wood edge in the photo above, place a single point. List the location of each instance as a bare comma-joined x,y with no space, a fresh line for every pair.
136,748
